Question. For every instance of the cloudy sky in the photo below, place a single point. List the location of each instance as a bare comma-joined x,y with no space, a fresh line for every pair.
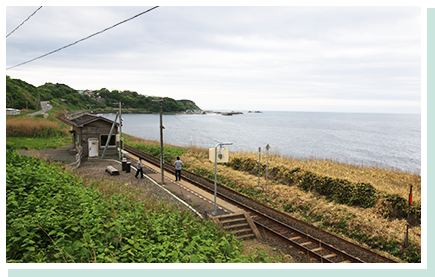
284,58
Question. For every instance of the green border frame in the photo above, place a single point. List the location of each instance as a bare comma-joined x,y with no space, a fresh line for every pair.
430,132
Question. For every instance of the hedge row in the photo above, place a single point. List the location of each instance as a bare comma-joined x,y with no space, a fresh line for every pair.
338,190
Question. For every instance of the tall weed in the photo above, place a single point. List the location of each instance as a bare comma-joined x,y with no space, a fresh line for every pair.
34,127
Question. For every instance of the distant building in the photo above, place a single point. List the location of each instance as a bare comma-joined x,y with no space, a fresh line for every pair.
10,111
87,92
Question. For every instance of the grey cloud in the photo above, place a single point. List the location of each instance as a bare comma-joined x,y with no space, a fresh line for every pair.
334,52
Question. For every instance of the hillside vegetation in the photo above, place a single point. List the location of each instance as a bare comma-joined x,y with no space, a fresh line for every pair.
20,95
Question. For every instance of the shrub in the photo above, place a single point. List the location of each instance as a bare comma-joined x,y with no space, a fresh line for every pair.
393,206
339,190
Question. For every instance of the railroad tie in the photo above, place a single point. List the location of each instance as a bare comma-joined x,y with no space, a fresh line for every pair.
330,256
277,228
306,243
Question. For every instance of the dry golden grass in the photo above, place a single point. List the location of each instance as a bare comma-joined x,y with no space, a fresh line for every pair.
29,126
389,181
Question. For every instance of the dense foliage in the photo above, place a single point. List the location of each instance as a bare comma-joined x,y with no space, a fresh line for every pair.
134,100
18,92
52,217
65,96
339,190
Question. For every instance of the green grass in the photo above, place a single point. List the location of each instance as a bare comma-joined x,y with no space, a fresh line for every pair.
31,143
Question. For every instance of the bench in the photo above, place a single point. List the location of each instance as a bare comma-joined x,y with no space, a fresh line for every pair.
112,170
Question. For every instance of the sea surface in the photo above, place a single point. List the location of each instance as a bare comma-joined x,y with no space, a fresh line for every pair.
382,140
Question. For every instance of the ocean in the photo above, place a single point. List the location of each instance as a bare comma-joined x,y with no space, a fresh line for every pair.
382,140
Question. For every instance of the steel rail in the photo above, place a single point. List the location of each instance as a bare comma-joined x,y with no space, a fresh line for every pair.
155,161
309,238
298,245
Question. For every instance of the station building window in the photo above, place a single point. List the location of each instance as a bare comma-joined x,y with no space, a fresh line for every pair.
103,140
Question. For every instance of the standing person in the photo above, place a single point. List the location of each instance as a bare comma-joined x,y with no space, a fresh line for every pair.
178,165
140,166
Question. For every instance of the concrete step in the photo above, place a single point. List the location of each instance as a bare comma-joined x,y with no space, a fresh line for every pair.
237,226
240,224
231,222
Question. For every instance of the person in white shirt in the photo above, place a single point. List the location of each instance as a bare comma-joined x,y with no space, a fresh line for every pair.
178,165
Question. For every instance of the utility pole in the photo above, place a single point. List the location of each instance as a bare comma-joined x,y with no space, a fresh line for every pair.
220,144
259,166
121,141
407,218
267,166
110,135
90,107
161,138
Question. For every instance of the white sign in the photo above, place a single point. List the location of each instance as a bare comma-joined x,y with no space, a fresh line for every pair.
222,155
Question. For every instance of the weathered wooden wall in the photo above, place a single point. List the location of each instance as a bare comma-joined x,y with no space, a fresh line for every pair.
94,130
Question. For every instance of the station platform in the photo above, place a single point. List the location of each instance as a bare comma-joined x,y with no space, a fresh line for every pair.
199,199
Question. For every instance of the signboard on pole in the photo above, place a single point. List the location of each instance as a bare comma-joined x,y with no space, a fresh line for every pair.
222,155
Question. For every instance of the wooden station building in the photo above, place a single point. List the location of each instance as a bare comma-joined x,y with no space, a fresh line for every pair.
91,132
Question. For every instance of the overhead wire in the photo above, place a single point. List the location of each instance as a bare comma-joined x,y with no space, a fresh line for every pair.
187,125
196,131
66,46
23,22
80,40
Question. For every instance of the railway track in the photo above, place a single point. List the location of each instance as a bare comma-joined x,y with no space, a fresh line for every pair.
308,240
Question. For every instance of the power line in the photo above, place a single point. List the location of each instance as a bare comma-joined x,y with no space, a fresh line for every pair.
97,33
196,131
23,22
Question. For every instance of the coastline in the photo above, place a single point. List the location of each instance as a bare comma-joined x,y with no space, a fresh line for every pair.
140,112
148,112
